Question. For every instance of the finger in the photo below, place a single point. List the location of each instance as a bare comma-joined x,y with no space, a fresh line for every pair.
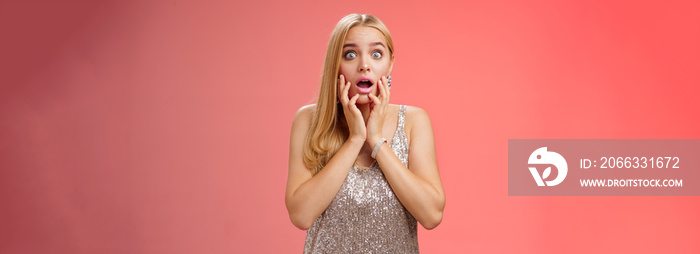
353,100
346,89
386,87
376,104
374,99
341,88
346,85
382,90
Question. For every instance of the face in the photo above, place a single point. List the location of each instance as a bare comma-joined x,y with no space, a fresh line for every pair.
365,57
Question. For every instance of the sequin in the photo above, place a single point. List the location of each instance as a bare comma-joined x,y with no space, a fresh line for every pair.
366,216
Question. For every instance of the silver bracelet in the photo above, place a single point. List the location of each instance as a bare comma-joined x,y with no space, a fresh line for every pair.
376,147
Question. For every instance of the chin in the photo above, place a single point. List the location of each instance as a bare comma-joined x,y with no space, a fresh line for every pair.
363,99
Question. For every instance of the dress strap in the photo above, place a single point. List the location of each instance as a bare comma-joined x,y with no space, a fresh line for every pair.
402,115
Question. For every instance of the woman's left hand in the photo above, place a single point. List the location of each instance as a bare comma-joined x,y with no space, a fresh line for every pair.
379,107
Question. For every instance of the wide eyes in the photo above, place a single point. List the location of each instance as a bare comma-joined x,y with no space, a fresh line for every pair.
352,55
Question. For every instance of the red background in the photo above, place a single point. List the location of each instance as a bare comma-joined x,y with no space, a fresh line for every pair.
163,126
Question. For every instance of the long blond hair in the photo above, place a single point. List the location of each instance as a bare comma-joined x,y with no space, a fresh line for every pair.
329,129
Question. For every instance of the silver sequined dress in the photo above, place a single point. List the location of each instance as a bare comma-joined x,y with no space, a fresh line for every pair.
366,216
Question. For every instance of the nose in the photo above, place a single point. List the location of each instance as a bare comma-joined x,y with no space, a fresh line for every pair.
364,66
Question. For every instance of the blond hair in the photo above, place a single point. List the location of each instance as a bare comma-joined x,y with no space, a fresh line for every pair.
329,129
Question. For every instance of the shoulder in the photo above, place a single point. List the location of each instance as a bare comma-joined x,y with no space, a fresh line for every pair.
306,110
416,119
303,116
415,114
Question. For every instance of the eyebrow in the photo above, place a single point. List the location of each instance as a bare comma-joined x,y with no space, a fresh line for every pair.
371,44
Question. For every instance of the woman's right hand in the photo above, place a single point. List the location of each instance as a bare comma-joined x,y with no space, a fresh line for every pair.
353,116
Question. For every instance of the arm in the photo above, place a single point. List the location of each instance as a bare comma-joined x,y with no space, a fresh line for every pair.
419,189
308,196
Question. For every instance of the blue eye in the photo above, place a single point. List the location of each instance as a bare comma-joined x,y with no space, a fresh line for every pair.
376,54
350,55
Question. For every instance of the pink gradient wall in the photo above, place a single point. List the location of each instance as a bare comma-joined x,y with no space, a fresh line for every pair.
163,126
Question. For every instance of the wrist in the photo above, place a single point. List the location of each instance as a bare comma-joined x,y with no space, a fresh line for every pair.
355,141
377,146
373,141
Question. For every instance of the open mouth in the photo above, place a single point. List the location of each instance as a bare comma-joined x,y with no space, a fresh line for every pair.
364,84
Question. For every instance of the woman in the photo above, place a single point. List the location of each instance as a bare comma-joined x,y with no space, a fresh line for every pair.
349,182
